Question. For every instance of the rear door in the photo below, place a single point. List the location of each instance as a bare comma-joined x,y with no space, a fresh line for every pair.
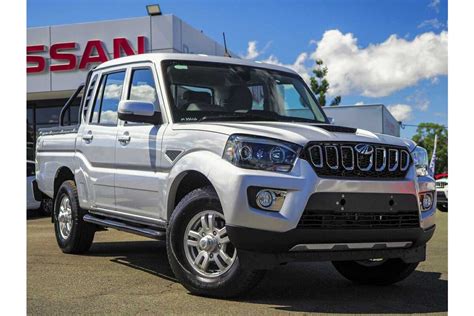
139,180
96,146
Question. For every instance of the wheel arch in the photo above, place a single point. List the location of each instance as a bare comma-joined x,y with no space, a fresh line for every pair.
184,183
191,172
62,174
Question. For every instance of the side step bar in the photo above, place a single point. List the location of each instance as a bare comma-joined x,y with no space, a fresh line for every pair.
126,227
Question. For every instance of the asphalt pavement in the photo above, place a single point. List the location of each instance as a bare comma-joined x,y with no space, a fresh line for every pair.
127,274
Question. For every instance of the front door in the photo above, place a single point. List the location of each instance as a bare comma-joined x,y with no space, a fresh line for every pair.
96,145
138,181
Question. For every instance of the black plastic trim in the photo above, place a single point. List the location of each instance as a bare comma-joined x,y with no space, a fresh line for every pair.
259,260
37,194
274,242
337,129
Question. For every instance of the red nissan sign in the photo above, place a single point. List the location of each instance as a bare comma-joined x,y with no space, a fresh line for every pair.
94,52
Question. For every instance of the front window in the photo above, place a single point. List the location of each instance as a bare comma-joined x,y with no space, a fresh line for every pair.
202,91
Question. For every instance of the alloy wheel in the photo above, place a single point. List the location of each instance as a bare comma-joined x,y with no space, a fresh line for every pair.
207,245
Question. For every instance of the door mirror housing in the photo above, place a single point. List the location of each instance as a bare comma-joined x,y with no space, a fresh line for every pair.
139,112
331,120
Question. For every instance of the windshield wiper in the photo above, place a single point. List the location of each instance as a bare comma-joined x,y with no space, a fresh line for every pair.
237,117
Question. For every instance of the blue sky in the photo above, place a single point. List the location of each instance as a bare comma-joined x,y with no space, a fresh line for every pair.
408,72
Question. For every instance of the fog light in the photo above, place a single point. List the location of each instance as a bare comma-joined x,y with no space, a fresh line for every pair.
265,198
427,201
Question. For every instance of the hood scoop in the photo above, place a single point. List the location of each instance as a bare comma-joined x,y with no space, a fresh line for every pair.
337,129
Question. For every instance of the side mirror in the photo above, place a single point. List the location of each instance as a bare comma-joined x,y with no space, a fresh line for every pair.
331,120
139,112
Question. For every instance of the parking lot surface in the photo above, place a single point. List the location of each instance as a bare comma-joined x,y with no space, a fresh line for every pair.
126,274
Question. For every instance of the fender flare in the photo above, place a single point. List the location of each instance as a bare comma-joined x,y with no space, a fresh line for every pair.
196,161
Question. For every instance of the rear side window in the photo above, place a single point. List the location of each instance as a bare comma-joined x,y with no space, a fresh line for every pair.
142,86
88,97
107,99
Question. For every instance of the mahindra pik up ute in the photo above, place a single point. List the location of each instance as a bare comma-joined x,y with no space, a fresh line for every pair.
235,165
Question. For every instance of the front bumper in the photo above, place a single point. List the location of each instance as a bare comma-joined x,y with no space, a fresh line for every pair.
232,183
265,238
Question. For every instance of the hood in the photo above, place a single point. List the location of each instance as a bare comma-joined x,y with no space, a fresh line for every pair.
298,133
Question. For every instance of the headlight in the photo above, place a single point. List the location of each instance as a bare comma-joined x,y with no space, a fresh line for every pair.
420,158
261,153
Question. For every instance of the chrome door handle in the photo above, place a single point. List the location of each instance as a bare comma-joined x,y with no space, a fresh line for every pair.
88,137
124,139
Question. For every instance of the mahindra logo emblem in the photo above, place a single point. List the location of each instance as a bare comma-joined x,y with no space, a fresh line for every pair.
364,149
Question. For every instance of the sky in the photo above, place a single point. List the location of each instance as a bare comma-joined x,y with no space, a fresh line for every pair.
392,52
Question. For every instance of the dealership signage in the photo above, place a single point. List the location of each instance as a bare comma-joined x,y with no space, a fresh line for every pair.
64,55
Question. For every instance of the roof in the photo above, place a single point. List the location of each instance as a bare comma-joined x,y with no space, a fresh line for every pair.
158,57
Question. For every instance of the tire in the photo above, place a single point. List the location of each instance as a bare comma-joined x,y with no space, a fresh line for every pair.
443,208
81,234
384,273
232,280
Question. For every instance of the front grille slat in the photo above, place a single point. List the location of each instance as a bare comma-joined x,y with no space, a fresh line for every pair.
333,220
371,161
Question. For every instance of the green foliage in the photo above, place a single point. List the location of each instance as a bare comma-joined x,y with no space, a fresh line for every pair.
320,85
424,137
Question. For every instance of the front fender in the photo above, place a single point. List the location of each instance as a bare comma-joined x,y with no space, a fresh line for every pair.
198,161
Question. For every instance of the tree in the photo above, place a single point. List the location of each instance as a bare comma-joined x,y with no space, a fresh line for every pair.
424,137
320,85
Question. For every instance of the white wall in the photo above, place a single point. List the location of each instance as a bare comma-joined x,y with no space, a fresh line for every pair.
374,118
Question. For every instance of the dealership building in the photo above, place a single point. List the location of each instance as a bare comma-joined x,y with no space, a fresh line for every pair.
58,57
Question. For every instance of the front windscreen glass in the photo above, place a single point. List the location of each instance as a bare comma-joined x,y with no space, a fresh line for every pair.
202,91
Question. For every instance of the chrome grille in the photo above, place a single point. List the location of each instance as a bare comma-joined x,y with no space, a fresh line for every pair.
371,161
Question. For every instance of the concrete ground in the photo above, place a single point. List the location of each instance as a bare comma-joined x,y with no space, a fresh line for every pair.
127,274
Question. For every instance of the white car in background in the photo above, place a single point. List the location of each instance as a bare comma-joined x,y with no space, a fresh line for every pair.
442,194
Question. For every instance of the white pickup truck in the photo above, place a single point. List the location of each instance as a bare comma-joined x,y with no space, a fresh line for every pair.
235,165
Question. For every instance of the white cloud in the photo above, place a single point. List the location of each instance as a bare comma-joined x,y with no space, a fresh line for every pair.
108,117
420,99
252,50
376,70
434,4
432,23
401,112
298,66
434,80
143,92
381,69
113,91
360,103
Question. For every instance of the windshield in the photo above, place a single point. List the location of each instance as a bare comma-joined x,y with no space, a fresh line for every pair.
203,91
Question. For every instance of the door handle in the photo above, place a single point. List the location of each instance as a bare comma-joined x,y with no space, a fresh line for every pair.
88,137
124,139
